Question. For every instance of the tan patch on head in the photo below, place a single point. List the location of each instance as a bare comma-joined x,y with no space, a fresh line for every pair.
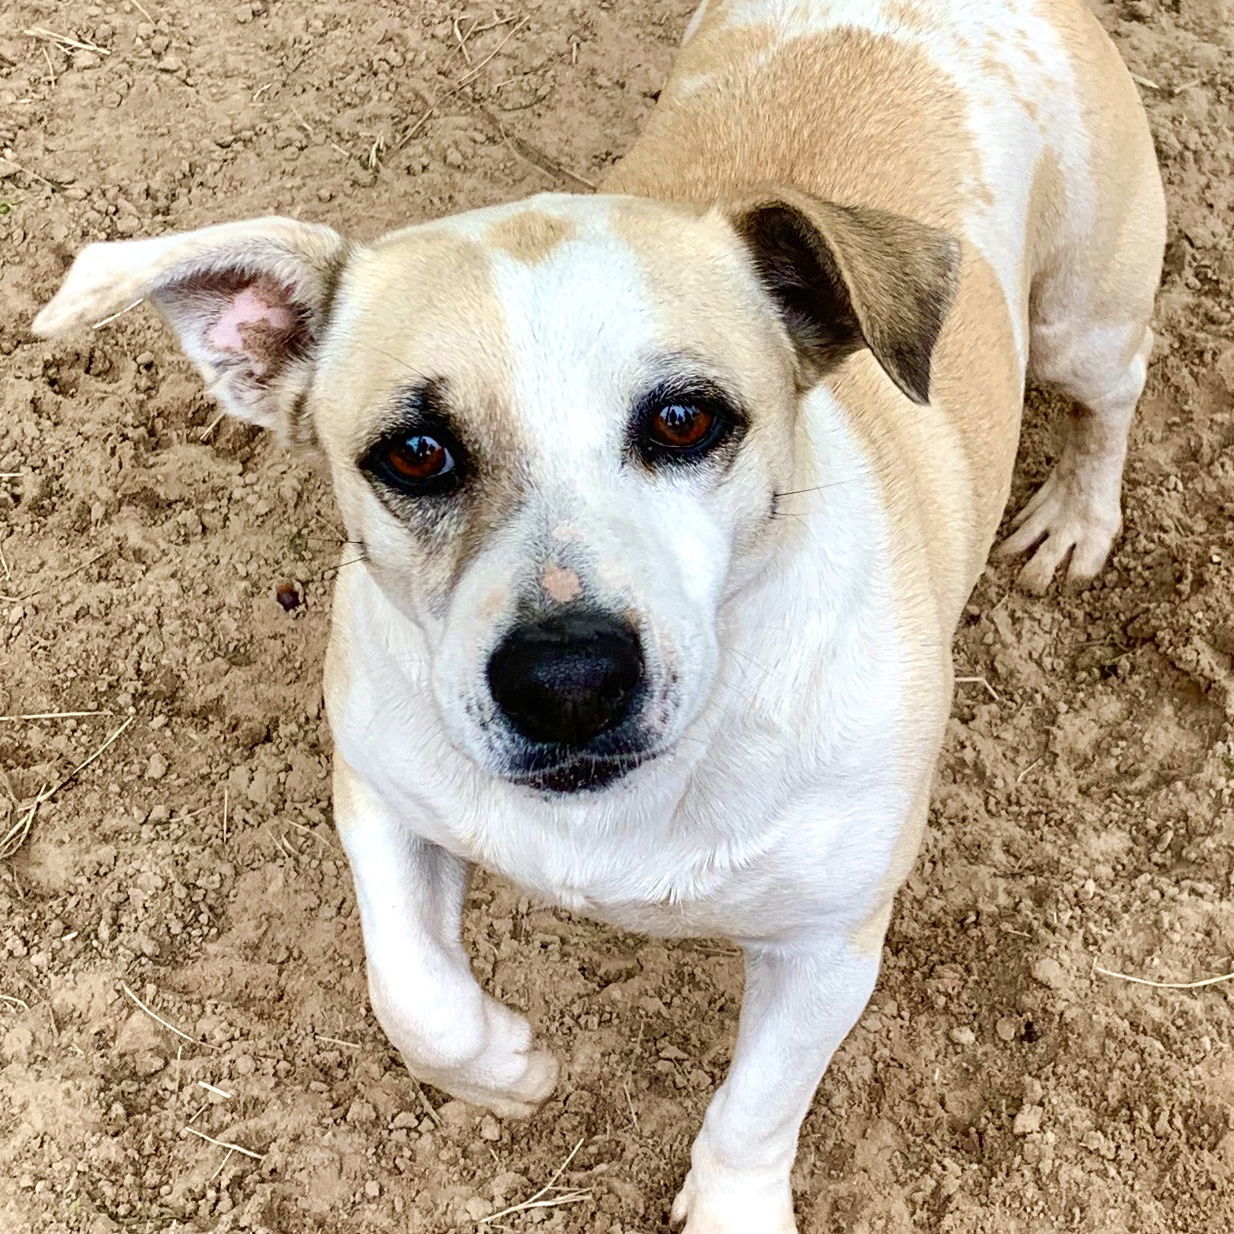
560,584
530,236
421,306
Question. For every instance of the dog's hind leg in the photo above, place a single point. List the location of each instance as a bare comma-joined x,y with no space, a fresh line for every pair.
410,894
801,1000
1078,509
1096,235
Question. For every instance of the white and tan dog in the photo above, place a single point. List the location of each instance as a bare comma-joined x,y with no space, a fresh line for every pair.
671,498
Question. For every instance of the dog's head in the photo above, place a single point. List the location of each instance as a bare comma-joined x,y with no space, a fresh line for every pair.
558,429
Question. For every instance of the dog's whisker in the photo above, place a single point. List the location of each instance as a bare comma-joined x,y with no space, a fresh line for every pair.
817,488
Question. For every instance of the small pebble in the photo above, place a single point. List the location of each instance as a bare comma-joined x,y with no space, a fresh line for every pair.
1049,972
156,768
361,1112
490,1128
1006,1028
962,1035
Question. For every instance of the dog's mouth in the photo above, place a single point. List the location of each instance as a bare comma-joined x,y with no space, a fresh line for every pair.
584,771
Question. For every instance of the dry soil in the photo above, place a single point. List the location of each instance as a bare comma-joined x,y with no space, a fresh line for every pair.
997,1083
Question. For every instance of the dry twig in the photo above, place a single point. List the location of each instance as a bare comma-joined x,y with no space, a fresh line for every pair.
462,83
154,1015
1164,985
235,1148
542,1199
17,833
65,41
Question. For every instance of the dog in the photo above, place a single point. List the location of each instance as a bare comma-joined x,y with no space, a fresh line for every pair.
670,499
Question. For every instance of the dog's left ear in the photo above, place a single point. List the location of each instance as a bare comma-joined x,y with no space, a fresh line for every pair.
249,301
847,277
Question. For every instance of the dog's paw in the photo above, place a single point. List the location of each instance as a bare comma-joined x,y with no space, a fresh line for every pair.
518,1100
1065,515
734,1208
486,1057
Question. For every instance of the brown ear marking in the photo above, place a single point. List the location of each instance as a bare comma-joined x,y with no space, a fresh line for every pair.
847,277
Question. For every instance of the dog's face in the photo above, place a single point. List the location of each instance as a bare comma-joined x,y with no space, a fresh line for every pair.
557,430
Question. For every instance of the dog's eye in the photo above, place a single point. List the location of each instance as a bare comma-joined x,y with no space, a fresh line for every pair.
683,422
418,463
682,430
680,426
419,458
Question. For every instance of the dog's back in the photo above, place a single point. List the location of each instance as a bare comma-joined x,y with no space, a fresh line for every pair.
1014,125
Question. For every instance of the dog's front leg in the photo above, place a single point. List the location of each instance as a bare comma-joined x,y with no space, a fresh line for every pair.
801,1000
410,894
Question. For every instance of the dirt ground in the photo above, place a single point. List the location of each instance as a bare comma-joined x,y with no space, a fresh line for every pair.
997,1083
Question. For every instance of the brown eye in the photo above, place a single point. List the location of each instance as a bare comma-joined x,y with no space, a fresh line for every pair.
419,458
681,426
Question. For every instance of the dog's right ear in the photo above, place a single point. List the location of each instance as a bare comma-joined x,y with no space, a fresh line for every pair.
249,301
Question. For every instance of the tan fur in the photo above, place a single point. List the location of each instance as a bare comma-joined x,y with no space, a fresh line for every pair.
530,236
455,315
1130,202
836,135
945,469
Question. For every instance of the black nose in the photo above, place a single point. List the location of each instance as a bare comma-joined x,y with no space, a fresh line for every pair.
567,678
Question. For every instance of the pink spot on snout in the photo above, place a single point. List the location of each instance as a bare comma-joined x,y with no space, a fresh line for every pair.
560,585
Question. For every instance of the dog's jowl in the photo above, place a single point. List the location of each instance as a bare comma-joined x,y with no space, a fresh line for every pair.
670,498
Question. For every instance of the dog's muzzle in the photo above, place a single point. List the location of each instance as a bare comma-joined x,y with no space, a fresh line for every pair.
567,684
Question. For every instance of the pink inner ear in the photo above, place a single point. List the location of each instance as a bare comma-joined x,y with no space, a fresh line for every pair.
255,322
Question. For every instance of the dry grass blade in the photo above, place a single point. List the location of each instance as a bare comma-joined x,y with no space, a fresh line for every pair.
128,308
979,681
1164,985
351,1045
17,1002
55,715
542,1199
15,836
533,154
462,83
158,1019
34,175
64,40
235,1148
